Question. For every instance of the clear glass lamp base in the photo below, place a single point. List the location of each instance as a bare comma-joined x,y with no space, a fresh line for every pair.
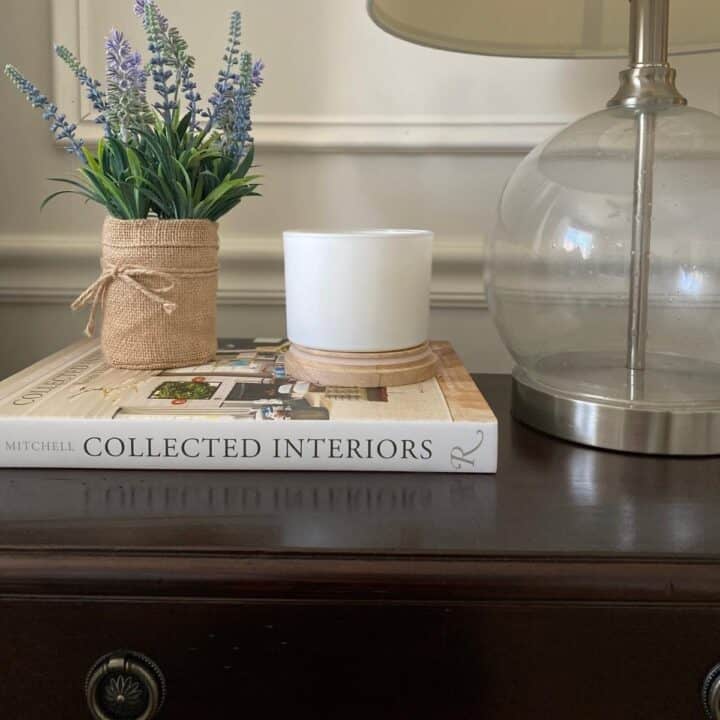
670,408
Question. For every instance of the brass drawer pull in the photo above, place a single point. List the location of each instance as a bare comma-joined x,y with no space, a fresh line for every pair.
125,685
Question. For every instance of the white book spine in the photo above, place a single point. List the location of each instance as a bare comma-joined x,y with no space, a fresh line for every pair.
464,447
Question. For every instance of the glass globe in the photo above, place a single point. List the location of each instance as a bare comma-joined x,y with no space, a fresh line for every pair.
559,265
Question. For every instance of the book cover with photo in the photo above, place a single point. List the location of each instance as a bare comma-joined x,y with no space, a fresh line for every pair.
240,411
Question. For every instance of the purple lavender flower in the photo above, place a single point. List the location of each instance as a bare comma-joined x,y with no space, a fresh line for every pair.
157,44
235,118
190,93
231,101
59,126
92,87
126,80
221,99
256,76
238,131
139,10
124,66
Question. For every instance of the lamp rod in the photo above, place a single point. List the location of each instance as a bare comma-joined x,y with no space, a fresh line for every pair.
649,32
648,50
645,122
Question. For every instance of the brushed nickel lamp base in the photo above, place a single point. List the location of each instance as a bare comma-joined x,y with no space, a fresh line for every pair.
665,410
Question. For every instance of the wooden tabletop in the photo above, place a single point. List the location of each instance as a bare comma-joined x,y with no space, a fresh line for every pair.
549,497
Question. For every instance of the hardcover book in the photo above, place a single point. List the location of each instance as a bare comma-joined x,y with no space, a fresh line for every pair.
241,411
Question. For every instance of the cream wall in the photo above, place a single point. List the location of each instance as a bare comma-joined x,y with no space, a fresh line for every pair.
353,128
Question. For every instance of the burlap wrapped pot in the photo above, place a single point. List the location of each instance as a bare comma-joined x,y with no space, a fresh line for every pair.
157,289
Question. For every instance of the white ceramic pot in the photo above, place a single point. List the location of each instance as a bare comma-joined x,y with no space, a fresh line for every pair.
358,291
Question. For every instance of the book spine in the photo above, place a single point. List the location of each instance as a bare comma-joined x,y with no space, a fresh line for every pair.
465,447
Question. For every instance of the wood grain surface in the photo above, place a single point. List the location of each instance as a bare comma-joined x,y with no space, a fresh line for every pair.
361,369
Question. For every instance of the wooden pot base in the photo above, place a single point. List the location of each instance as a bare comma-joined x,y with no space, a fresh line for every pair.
361,369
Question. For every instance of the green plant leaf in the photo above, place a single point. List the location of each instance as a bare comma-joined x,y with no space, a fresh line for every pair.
52,196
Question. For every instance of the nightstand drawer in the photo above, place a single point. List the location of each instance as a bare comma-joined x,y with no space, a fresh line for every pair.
265,659
258,659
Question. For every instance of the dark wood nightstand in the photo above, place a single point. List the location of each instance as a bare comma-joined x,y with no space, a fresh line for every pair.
573,585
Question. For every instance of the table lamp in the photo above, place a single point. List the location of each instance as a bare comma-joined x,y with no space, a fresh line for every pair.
604,268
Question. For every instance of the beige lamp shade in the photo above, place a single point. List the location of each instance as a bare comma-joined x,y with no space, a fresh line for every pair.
541,28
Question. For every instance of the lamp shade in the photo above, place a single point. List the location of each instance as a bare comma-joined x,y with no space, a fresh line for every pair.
540,28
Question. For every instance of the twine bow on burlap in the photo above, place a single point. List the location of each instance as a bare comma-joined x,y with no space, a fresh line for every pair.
131,275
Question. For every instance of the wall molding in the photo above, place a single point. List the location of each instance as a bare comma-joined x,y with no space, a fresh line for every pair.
397,134
54,269
321,133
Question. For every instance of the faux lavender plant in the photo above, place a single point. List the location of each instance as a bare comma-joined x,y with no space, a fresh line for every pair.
159,158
